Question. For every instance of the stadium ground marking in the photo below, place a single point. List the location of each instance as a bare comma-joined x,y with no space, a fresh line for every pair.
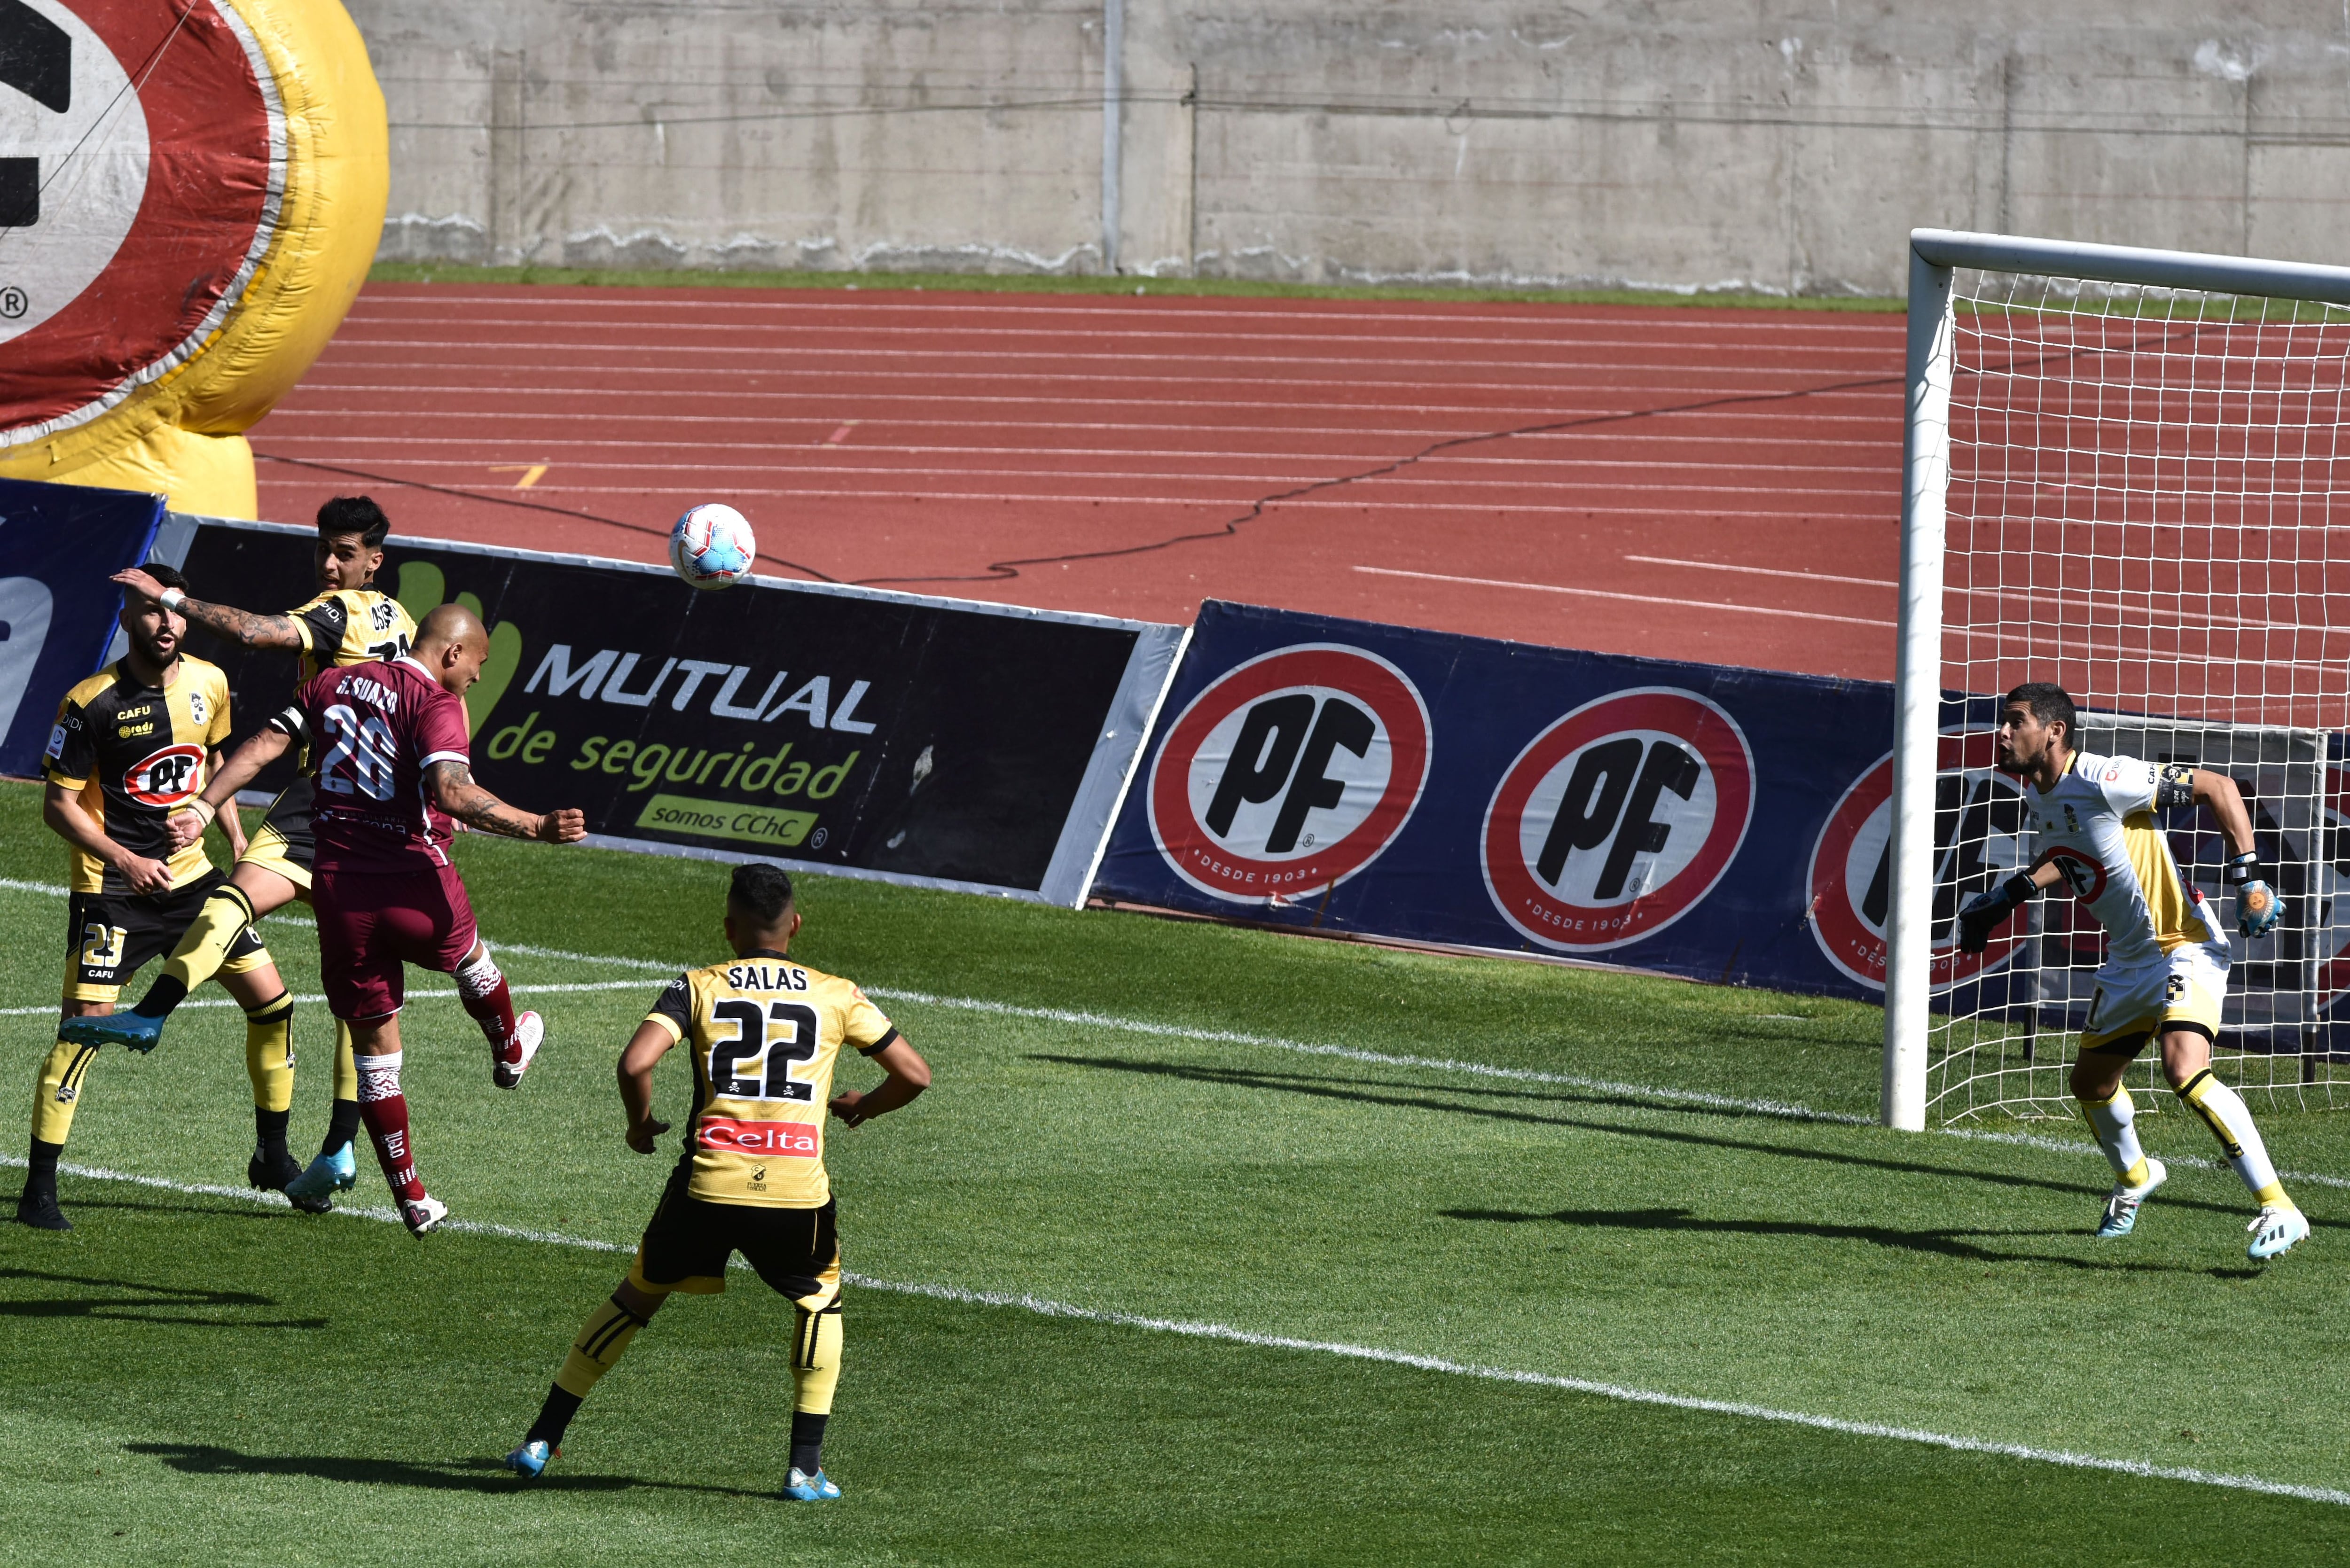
1602,593
1042,1306
1696,1097
518,989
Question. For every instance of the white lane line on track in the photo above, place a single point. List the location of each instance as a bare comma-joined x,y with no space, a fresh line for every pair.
1223,432
1761,571
1694,1098
1224,1333
1627,599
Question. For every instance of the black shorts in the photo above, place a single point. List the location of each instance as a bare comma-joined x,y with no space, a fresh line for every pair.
283,842
110,937
795,1250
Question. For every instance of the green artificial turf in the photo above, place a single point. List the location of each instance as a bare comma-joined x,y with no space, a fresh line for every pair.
1091,283
226,1382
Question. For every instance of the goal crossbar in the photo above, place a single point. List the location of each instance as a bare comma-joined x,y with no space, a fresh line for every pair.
1935,255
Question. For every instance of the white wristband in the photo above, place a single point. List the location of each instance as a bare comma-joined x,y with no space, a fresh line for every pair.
203,810
169,598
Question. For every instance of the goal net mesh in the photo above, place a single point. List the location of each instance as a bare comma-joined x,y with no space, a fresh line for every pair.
2149,503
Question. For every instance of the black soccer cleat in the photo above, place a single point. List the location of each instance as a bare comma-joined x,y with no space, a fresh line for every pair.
40,1211
270,1173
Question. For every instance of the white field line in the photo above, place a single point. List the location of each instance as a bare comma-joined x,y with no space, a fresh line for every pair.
1693,1097
1224,1333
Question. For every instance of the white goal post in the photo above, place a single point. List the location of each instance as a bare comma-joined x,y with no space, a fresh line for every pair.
2120,471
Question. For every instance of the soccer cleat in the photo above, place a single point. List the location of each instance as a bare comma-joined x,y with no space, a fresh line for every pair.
421,1214
804,1487
531,1459
40,1211
2277,1228
279,1176
2121,1208
529,1029
325,1176
135,1029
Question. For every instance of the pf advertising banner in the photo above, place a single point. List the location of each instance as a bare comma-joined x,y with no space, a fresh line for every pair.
1722,823
839,730
58,545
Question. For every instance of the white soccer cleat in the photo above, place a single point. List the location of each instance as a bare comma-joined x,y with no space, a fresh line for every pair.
2277,1228
530,1029
421,1214
2121,1208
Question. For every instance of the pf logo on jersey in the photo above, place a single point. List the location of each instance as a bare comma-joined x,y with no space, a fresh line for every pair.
1617,820
166,777
1289,774
1979,829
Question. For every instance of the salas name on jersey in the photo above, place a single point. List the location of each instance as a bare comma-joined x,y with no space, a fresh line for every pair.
2098,828
373,730
765,1034
148,750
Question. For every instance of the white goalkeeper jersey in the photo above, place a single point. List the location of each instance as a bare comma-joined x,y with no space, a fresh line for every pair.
2097,826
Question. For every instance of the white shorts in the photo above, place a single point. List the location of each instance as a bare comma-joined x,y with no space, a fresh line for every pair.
2185,987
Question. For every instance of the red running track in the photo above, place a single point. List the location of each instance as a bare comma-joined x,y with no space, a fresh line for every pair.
1712,484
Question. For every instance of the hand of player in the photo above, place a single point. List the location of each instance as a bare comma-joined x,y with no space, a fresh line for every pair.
641,1135
139,583
184,827
144,875
2257,908
567,826
1982,915
843,1105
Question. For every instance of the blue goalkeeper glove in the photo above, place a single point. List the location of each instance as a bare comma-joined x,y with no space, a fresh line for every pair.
2257,908
1986,912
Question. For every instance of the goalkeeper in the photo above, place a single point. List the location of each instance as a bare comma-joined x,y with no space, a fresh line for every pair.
2166,969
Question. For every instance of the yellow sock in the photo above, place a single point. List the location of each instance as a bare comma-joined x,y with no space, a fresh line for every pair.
815,1359
203,946
601,1339
2231,1120
269,1054
57,1090
347,1073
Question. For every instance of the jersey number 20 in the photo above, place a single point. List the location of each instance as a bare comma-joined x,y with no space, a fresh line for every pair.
767,1043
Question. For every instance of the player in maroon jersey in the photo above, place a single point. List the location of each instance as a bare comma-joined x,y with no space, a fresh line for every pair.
393,769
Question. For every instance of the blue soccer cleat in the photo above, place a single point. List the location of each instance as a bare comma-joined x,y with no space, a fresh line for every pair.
136,1030
804,1487
326,1175
2277,1228
2121,1208
531,1459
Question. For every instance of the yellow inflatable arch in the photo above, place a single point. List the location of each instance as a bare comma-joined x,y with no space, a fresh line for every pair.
190,192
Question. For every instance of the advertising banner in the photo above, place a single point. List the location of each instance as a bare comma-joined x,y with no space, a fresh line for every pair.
846,730
58,545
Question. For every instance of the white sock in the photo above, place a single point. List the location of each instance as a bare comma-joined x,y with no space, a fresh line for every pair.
379,1076
2231,1120
481,977
2115,1123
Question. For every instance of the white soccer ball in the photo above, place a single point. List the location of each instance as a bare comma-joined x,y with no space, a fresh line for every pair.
712,546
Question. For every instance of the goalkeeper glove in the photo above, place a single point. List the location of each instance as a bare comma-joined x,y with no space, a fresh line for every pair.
1986,912
2257,908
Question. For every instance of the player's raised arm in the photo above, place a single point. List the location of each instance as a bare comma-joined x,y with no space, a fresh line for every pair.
237,626
2257,908
231,773
451,644
450,780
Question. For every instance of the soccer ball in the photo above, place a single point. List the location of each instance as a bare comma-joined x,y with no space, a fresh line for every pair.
712,546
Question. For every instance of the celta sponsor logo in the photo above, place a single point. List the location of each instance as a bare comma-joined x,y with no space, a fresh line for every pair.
1290,773
1980,835
1617,820
725,1135
166,777
607,675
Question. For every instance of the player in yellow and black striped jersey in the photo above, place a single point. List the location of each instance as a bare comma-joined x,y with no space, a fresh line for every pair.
349,621
130,745
765,1033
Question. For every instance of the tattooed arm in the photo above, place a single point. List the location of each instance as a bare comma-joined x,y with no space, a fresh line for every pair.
454,791
235,625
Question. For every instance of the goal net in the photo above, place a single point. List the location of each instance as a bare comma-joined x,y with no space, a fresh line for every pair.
2143,496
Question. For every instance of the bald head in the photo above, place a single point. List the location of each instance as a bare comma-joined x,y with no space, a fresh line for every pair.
451,642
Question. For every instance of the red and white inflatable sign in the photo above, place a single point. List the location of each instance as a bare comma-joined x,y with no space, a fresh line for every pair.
1289,774
1619,819
1851,875
143,172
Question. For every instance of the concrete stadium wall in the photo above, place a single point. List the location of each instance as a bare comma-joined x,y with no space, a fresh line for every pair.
1684,144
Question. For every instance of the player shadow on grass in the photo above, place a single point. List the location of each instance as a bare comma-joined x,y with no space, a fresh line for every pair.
482,1474
1419,1098
1948,1243
152,1303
